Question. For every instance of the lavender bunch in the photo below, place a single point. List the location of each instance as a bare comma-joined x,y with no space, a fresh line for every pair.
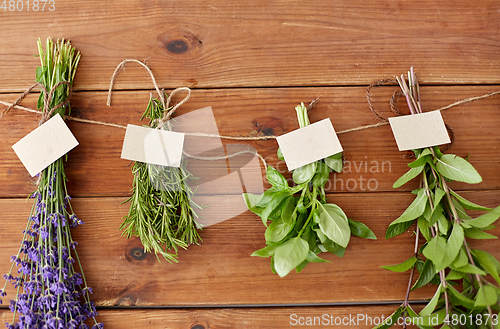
50,293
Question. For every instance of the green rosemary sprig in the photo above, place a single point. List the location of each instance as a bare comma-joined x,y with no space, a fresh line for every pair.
446,259
162,211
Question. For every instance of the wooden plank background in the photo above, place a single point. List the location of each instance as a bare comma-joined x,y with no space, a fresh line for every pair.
252,63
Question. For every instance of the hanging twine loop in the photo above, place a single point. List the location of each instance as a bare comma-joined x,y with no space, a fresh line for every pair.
47,111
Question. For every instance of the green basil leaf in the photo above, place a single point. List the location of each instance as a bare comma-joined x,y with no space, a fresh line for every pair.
488,262
333,248
280,154
322,175
289,255
334,224
408,176
267,251
304,174
483,220
486,296
476,233
301,266
415,209
468,204
396,229
287,213
431,306
403,266
456,168
273,204
361,230
275,178
334,162
455,242
434,250
277,231
251,201
313,258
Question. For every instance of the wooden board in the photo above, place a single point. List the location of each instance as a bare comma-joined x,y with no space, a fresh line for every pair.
279,317
252,63
372,160
280,43
221,271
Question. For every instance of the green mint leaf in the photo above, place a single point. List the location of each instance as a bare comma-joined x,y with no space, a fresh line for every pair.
289,255
488,262
435,249
486,296
334,162
361,230
391,320
334,224
304,174
454,275
456,168
415,209
459,298
275,178
455,242
461,259
476,233
467,204
431,306
408,176
396,229
483,220
426,275
422,159
402,267
469,268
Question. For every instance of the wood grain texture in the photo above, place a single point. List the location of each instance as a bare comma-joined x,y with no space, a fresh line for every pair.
279,43
372,160
221,271
229,318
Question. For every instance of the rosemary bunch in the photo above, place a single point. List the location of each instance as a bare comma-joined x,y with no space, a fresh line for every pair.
303,223
464,298
162,212
50,292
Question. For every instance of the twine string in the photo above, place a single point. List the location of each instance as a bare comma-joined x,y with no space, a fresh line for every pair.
47,111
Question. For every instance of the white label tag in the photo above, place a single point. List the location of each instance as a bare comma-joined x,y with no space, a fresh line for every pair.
45,144
309,144
153,146
421,130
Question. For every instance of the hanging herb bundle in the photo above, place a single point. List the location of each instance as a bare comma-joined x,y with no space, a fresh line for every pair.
303,223
162,211
464,298
50,291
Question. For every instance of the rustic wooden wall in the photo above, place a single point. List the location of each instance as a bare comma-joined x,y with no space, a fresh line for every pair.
252,62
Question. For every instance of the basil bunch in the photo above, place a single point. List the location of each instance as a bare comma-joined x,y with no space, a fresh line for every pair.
448,260
303,223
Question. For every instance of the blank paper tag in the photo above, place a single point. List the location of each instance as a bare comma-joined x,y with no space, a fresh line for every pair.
45,144
309,144
153,146
421,130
